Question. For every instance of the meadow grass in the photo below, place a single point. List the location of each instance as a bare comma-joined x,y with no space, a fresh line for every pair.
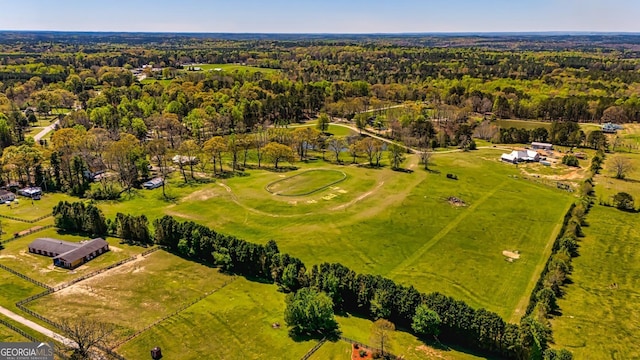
306,183
601,307
16,256
145,290
28,209
378,220
14,289
233,323
8,335
336,350
607,185
401,343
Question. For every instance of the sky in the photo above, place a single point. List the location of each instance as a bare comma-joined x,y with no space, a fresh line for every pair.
322,16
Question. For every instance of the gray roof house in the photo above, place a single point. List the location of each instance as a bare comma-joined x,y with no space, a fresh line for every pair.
69,254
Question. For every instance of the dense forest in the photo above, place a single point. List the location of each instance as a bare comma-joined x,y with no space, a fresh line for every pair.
135,102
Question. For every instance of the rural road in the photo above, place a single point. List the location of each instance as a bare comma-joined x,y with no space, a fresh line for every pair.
41,329
45,131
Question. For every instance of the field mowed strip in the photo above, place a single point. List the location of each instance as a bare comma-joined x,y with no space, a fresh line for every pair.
601,307
16,255
145,290
378,220
235,322
232,68
306,183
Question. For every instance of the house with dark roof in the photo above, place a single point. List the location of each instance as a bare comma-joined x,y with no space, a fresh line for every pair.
7,196
67,254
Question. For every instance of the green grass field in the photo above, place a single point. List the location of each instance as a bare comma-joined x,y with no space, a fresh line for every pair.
14,289
306,183
233,68
599,319
607,185
233,323
27,209
8,335
395,224
338,350
144,290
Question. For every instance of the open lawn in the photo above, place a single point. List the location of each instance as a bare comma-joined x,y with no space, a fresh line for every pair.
394,224
523,124
16,256
306,183
601,307
338,350
8,335
233,67
145,290
607,185
401,343
28,209
14,289
233,323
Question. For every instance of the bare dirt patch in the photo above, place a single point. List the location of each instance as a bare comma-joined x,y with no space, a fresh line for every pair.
201,195
431,352
359,198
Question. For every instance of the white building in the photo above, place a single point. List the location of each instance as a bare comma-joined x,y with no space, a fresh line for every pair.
518,156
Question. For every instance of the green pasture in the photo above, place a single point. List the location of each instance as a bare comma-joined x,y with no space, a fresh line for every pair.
28,209
401,343
145,290
601,307
533,124
233,68
8,335
607,185
235,322
338,350
306,183
395,224
16,256
14,289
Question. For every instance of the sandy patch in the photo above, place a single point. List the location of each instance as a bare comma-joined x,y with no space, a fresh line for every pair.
293,202
511,255
329,196
8,257
201,195
431,352
342,191
282,176
312,202
138,269
114,248
359,198
82,290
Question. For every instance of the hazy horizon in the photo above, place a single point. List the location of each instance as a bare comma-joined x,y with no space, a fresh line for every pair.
327,17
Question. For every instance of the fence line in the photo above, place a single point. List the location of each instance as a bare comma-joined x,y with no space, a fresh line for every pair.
22,234
25,220
313,349
353,342
28,336
25,277
181,309
50,290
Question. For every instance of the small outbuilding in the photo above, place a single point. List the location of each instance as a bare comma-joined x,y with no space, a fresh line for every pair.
541,146
153,183
31,192
7,196
156,353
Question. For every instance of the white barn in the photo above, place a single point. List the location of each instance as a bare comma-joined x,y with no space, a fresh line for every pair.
518,156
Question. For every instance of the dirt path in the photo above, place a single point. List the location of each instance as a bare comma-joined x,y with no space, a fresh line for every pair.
45,131
234,198
41,329
359,198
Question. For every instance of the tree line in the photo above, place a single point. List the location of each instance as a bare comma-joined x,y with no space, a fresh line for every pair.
370,296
